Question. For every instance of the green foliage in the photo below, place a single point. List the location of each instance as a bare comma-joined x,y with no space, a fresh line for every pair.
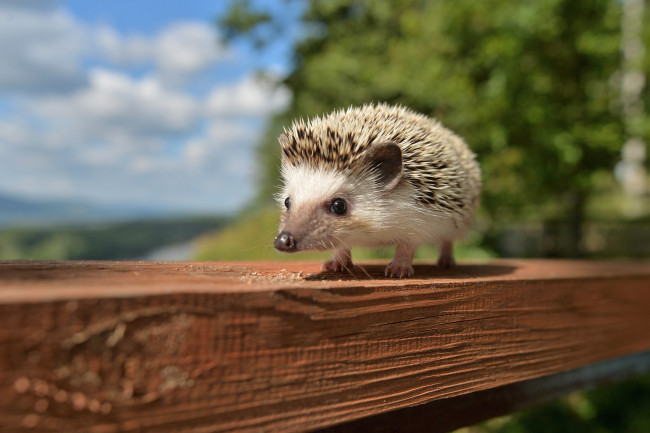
528,84
127,240
242,18
617,408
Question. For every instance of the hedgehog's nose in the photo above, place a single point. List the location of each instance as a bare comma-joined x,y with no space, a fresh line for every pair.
285,242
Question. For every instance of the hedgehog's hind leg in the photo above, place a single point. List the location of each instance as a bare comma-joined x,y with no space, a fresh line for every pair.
341,261
401,265
446,258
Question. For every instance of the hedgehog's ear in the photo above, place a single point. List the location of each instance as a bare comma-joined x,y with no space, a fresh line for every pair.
385,159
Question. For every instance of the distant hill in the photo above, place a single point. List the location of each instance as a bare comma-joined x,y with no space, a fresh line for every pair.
22,212
125,240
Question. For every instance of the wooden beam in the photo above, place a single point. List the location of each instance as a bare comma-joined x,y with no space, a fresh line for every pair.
211,347
448,414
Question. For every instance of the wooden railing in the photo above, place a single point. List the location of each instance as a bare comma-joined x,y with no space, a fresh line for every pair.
214,347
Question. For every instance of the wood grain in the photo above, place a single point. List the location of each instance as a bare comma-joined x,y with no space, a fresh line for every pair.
447,414
212,347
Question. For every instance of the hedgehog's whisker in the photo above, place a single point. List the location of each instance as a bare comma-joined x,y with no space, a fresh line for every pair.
264,245
365,271
349,270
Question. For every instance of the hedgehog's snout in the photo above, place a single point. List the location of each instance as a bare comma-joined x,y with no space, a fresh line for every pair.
285,242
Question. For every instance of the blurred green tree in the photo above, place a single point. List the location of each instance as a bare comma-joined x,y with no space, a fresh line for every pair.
532,86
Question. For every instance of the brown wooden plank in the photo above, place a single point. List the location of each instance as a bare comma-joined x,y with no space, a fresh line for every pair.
448,414
206,347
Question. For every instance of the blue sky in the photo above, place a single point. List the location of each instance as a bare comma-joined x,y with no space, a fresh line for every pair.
127,103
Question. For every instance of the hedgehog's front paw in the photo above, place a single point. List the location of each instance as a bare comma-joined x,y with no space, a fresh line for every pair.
336,266
396,269
446,259
341,261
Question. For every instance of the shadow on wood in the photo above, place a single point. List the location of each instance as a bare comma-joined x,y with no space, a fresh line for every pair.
422,272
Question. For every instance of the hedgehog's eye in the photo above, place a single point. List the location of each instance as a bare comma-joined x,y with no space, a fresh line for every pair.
287,202
338,206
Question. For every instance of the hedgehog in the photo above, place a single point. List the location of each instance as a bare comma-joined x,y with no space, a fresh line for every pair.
375,176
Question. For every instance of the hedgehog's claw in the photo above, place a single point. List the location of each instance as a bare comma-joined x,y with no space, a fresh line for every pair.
335,266
399,270
400,266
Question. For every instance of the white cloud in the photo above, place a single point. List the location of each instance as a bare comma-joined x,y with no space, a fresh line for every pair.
114,104
107,135
221,137
122,50
41,48
178,52
250,96
15,132
130,141
31,4
186,48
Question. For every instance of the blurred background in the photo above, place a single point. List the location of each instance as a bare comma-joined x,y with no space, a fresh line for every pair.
147,130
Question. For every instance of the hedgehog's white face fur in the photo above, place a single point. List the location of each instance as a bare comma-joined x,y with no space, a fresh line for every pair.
374,176
370,215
